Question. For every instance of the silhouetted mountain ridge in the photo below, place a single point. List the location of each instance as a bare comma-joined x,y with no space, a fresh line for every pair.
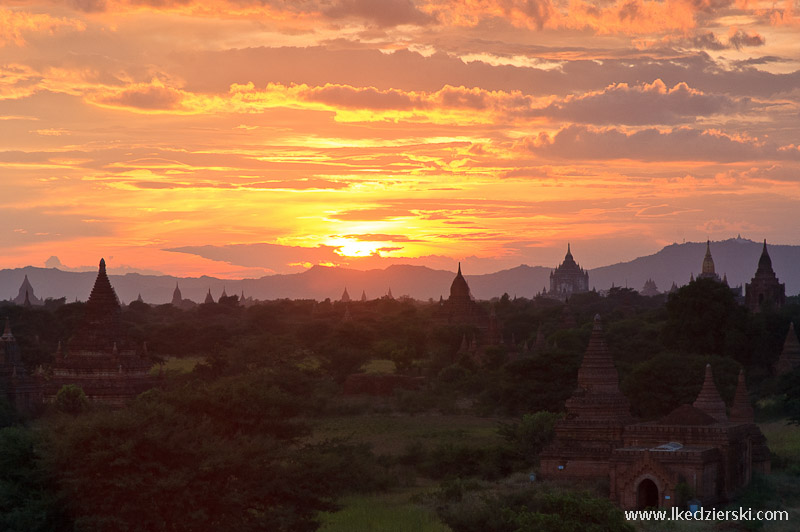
736,257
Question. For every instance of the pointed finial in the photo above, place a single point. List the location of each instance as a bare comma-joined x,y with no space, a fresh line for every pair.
459,268
102,265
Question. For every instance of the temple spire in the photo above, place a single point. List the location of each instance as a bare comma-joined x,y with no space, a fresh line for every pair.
709,400
741,411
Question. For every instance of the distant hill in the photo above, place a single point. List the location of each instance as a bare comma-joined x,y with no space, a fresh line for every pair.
735,257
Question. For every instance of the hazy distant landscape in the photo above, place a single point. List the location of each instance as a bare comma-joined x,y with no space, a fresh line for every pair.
735,258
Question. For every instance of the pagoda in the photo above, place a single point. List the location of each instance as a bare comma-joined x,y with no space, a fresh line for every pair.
568,278
708,271
764,289
596,417
461,308
26,295
98,358
790,354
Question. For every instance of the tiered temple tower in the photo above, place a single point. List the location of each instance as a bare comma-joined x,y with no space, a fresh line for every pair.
460,308
98,357
26,294
764,288
708,271
596,417
790,355
569,278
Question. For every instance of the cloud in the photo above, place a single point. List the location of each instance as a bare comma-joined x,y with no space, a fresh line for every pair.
652,103
378,213
385,13
152,96
740,38
362,98
382,237
578,142
88,6
16,25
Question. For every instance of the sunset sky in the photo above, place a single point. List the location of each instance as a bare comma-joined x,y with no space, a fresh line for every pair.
239,138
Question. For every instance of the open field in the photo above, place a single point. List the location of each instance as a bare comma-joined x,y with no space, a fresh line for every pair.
177,365
385,512
783,439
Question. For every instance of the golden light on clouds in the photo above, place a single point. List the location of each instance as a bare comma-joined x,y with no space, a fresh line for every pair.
264,136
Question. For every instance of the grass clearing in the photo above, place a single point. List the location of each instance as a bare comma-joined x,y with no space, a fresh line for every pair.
176,365
379,366
382,512
783,439
392,433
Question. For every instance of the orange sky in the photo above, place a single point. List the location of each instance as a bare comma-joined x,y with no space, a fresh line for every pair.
238,138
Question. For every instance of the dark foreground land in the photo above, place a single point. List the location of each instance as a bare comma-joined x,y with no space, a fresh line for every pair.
253,426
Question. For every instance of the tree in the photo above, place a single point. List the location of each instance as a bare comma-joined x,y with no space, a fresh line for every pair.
207,456
703,317
70,399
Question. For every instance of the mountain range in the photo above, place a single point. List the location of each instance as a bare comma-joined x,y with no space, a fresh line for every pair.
736,258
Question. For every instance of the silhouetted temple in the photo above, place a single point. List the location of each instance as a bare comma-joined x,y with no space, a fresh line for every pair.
98,357
26,295
460,308
650,289
708,271
569,278
697,445
764,289
790,354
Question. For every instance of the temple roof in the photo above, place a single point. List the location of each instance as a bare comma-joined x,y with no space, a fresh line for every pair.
459,289
687,415
709,400
176,295
26,294
790,354
569,264
100,328
597,371
741,410
708,262
598,395
764,262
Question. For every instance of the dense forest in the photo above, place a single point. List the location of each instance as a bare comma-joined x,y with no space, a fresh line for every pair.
227,440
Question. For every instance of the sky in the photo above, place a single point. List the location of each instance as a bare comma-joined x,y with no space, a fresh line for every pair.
241,138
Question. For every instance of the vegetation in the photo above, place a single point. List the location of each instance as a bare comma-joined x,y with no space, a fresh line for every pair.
252,428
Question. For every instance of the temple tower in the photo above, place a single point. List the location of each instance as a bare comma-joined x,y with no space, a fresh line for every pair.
568,278
26,294
709,400
790,354
98,357
597,414
741,410
764,289
708,270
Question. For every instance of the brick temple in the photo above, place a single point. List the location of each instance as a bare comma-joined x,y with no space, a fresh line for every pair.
98,357
699,449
